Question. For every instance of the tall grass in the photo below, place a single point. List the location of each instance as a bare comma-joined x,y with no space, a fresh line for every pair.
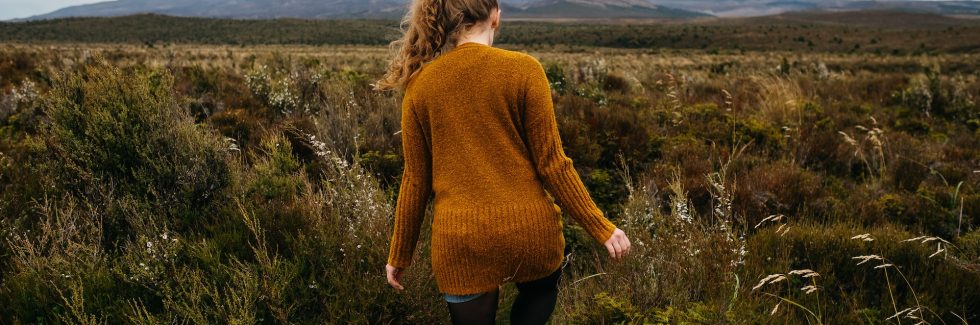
256,185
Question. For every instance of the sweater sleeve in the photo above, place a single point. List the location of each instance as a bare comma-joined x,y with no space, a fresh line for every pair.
414,191
553,166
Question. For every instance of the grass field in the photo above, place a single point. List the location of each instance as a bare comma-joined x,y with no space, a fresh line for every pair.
211,183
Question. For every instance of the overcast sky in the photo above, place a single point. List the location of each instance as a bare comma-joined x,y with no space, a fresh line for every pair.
26,8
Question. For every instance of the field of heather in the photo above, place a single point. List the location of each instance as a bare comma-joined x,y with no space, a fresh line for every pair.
256,184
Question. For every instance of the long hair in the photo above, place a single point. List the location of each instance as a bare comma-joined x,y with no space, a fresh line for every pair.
430,28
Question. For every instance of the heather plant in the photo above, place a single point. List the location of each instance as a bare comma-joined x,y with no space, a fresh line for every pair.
932,93
265,247
122,141
590,77
49,266
684,264
20,108
169,184
556,78
275,88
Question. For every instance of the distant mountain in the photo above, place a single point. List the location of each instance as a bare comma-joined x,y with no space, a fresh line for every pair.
390,9
598,9
744,8
889,19
237,9
533,9
936,7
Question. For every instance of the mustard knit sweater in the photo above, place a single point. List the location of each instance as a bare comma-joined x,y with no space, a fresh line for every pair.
479,131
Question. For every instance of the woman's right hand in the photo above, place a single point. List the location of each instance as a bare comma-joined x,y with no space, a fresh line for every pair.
618,245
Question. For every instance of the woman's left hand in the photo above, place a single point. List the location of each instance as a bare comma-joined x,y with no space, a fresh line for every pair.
394,276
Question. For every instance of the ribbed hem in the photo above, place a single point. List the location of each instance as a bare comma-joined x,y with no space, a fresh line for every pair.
477,249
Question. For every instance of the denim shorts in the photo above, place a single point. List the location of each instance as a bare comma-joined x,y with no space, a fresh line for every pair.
462,298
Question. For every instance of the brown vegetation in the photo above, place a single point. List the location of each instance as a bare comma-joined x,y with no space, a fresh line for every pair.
225,184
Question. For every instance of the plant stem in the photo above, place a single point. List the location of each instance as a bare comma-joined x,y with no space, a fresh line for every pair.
819,321
891,294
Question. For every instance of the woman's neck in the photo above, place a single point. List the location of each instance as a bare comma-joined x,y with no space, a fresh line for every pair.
484,37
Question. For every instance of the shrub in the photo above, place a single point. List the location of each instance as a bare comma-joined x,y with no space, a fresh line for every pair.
617,82
781,188
556,78
969,250
118,138
679,259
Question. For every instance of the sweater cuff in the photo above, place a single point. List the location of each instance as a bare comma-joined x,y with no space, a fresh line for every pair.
602,230
399,262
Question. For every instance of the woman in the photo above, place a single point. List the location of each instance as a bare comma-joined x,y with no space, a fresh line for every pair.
479,131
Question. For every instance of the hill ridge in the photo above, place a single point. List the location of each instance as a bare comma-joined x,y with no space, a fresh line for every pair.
364,9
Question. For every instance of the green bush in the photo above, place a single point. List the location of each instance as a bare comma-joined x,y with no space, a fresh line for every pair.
117,138
556,78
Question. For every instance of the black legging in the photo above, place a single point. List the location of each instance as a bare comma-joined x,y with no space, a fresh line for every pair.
534,304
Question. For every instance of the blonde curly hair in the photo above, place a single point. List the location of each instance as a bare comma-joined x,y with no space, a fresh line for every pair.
430,28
